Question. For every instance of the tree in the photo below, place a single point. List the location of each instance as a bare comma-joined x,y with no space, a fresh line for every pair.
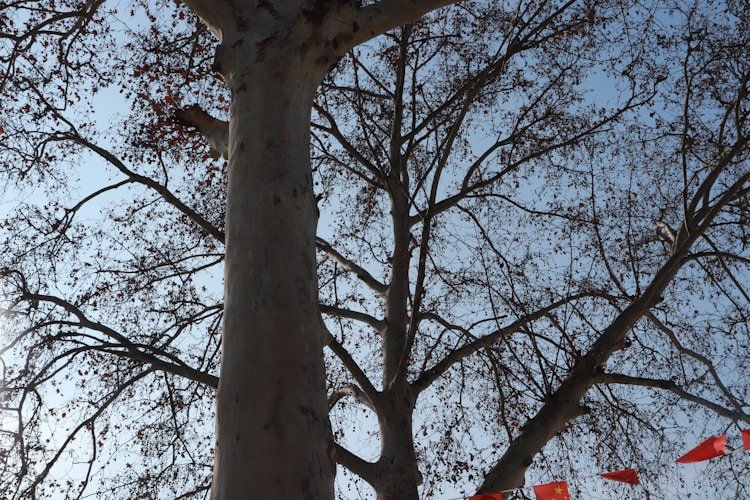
507,252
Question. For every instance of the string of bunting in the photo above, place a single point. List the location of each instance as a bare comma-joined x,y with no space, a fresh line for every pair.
710,448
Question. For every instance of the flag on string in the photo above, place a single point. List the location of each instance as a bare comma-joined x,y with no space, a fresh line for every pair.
746,438
552,491
625,476
488,496
708,449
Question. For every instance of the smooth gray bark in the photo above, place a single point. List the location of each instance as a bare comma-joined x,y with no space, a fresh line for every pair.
272,432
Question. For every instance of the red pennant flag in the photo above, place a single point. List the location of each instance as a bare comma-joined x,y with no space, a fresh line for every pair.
625,476
746,438
552,491
708,449
488,496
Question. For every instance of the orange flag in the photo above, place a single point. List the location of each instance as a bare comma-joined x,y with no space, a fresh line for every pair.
552,491
488,496
625,476
708,449
746,438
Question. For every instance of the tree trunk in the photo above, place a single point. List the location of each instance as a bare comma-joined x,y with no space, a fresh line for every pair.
273,435
398,472
273,438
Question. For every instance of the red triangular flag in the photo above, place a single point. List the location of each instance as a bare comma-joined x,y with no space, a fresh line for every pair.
708,449
488,496
625,476
552,491
746,438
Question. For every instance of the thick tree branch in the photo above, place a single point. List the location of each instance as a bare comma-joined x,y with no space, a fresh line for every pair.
354,368
563,405
378,325
334,130
385,15
217,14
214,130
352,391
364,469
351,267
696,219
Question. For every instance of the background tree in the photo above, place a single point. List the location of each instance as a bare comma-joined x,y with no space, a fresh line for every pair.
533,236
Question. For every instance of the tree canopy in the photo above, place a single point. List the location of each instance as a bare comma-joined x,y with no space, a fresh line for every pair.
532,245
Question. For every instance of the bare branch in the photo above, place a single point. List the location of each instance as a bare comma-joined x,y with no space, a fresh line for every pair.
351,365
136,352
102,406
378,325
704,360
671,386
351,267
168,196
432,374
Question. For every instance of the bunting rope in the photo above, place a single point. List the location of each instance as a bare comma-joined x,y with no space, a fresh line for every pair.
713,447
